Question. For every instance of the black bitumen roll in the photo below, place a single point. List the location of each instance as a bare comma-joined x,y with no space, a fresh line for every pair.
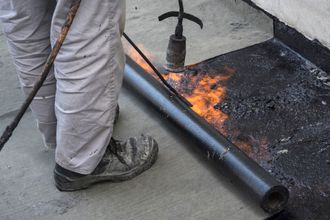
267,191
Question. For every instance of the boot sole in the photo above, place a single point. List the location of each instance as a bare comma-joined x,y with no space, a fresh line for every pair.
66,184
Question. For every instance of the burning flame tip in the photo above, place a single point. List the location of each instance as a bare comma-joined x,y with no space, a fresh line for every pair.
205,90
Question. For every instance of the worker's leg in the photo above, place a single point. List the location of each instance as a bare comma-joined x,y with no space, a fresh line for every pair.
26,24
89,71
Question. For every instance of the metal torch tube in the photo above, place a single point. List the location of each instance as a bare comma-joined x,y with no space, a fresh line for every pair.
270,194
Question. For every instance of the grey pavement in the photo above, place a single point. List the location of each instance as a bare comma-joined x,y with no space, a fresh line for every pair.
180,185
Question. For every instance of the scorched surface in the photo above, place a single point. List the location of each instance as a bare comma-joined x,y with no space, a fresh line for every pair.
275,106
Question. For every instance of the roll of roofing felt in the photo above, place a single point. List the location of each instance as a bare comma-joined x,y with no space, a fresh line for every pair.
247,174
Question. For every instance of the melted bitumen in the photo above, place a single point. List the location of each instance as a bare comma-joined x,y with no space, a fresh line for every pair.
279,103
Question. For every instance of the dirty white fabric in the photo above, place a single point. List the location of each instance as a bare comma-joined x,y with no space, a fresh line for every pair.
75,108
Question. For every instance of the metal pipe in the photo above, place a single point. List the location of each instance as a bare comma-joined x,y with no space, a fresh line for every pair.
270,194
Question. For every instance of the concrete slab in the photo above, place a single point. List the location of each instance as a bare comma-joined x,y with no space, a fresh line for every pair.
180,185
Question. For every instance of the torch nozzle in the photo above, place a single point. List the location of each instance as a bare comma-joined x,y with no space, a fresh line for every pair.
176,51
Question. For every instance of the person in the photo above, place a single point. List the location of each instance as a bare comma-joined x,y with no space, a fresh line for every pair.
76,107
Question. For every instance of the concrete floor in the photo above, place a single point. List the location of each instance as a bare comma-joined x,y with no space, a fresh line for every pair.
180,185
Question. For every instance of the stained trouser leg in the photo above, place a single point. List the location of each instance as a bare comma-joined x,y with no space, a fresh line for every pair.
26,25
89,72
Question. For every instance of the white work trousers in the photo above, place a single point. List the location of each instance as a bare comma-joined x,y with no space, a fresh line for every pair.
76,106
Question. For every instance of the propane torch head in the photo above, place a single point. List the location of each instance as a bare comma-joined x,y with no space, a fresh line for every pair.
176,50
176,54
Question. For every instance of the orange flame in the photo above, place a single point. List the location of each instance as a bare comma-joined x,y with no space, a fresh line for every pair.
138,59
205,92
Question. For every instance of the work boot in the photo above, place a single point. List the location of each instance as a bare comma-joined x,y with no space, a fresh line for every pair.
121,161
